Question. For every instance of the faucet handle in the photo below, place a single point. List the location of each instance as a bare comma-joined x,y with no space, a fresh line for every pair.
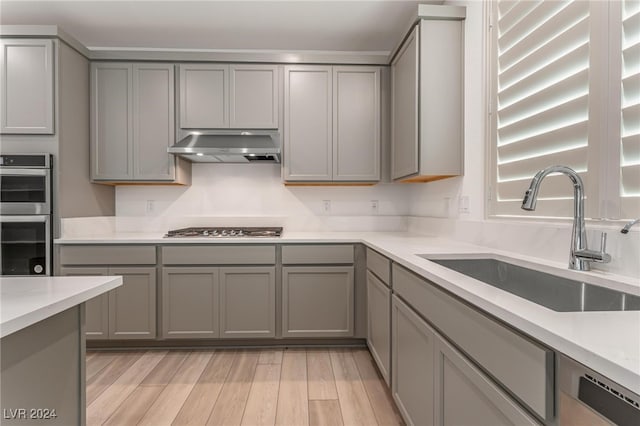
603,242
600,256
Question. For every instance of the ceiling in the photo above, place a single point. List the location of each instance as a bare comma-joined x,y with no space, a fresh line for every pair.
303,25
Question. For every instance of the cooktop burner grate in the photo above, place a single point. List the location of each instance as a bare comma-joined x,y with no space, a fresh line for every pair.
224,232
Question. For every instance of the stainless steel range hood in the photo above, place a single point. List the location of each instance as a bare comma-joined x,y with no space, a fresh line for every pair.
229,146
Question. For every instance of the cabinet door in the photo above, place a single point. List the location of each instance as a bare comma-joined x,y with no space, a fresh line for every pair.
96,309
153,118
253,96
111,121
247,302
379,324
404,109
132,307
413,365
26,86
308,123
356,123
317,301
190,303
204,96
465,396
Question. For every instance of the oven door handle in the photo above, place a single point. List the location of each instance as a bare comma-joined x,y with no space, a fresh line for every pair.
25,218
23,172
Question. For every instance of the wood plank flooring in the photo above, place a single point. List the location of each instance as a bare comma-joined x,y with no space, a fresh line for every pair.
292,387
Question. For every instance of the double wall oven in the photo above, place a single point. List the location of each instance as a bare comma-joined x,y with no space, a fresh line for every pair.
25,214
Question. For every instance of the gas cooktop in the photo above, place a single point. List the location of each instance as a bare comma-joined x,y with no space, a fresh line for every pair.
225,232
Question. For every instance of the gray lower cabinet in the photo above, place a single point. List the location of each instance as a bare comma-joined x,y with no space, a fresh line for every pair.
433,383
465,396
128,312
413,344
26,86
247,302
132,307
96,309
190,302
212,302
317,301
379,324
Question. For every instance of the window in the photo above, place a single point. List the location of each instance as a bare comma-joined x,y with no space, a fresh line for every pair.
565,90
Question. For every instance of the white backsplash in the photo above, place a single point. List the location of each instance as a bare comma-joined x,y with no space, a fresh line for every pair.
254,195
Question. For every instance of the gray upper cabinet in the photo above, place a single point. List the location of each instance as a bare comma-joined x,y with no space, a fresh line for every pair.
356,124
26,86
404,108
247,302
111,121
253,96
132,122
204,96
153,129
221,96
308,123
332,124
427,112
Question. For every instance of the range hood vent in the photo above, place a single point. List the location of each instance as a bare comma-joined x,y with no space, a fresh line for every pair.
229,146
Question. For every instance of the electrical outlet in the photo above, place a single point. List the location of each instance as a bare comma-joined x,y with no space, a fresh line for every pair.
463,204
326,206
374,206
151,206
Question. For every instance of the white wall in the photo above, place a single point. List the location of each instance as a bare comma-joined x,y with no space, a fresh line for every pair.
255,193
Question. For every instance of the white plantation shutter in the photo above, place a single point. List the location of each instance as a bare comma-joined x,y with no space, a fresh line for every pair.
630,111
566,89
542,103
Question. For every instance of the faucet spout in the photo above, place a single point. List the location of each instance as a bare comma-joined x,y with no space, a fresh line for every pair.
578,234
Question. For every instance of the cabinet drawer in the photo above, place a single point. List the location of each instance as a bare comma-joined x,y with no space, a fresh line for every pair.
108,255
316,254
524,367
219,255
379,265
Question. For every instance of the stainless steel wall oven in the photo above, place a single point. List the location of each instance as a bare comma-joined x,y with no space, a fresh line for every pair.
25,214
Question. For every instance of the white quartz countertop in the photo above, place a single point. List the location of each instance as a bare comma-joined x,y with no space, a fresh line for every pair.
607,342
26,300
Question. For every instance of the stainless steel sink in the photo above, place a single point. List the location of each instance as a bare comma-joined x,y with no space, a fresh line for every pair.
553,292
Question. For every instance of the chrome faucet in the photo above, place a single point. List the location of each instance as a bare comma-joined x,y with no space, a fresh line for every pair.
628,226
579,255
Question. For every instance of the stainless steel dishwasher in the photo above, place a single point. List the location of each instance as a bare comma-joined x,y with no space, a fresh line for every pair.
587,398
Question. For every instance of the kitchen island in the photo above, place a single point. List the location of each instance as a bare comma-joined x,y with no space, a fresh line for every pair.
42,347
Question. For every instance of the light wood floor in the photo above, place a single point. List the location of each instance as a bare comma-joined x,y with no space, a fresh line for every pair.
237,387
